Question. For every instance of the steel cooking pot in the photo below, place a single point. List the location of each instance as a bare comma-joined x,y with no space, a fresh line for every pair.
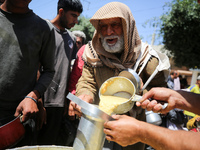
44,147
90,135
11,133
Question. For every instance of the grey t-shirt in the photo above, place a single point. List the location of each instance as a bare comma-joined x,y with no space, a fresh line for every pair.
65,51
26,41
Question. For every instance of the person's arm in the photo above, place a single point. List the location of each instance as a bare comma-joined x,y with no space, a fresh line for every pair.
28,106
126,130
175,99
86,89
158,80
46,58
86,84
75,109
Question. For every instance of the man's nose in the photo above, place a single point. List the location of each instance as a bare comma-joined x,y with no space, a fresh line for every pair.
110,30
76,20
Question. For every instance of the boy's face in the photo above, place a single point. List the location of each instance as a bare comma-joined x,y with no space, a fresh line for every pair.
69,19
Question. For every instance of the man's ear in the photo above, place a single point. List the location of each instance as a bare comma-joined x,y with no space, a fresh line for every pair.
61,11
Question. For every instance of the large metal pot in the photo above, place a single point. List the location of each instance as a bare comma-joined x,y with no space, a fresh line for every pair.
11,133
90,135
44,147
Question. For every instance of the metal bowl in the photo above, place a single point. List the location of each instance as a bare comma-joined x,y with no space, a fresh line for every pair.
116,86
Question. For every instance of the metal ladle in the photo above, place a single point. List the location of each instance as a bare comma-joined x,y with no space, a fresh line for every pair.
126,106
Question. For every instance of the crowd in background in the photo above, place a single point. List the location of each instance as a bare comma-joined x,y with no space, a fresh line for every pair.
185,119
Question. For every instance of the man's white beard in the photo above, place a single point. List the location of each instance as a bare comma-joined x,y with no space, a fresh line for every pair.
113,48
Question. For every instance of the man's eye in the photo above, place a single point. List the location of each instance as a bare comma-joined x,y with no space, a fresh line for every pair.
74,15
115,25
103,27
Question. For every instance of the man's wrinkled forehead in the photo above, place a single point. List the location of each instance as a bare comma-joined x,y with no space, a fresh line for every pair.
110,20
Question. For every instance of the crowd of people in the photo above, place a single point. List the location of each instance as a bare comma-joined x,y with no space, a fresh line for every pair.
36,75
184,121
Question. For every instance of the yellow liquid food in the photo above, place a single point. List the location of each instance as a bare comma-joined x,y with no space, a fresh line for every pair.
109,103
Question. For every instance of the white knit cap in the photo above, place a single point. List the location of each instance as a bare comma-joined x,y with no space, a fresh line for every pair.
198,78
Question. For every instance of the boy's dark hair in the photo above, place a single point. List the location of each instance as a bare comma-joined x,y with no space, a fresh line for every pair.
73,5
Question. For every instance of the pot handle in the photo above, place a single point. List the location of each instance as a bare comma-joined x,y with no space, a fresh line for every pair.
20,118
137,98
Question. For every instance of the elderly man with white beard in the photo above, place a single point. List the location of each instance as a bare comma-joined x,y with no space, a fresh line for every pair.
115,46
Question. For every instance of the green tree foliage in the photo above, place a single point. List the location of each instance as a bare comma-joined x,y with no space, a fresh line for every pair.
181,32
85,26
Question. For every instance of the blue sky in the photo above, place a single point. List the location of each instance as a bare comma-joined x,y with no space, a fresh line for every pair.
142,11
